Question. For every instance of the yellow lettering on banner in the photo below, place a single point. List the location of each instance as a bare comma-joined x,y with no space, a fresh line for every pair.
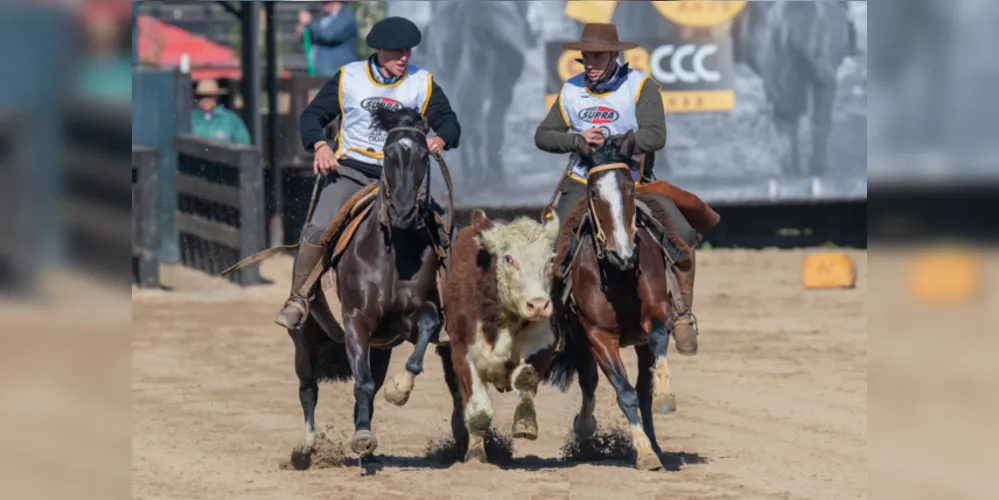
637,58
590,11
688,101
701,14
692,101
567,65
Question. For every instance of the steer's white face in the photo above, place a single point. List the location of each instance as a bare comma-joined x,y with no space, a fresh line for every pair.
523,251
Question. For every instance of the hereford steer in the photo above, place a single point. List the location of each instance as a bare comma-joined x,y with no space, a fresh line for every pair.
497,312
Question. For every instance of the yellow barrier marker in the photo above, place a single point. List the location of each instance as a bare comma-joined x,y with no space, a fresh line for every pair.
945,276
828,270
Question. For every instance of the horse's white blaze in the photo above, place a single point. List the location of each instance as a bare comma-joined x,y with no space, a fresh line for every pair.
610,191
406,143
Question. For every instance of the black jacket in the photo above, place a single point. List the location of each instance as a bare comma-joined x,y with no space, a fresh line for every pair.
325,108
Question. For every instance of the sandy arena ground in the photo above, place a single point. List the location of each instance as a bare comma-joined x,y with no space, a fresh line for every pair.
773,406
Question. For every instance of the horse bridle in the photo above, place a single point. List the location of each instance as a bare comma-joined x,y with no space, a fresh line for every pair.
445,173
599,236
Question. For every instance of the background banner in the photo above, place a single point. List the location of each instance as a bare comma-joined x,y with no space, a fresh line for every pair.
766,101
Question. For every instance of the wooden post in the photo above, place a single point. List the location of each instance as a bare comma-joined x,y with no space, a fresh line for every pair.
145,237
277,180
252,233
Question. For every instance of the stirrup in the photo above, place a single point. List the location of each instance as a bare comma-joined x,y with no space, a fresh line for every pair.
688,318
296,303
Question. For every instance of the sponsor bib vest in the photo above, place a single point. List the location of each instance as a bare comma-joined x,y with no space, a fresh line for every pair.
360,94
612,112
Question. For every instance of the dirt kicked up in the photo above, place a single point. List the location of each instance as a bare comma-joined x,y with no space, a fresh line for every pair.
773,406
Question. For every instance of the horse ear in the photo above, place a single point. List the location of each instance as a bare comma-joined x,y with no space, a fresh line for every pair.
628,144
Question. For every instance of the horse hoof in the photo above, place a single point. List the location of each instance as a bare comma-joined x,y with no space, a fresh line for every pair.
477,454
664,404
584,429
301,457
648,462
363,443
394,395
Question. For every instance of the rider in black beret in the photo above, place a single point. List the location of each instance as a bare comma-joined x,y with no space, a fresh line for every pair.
394,33
353,159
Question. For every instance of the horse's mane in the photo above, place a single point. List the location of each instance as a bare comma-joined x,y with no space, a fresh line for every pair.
387,119
608,152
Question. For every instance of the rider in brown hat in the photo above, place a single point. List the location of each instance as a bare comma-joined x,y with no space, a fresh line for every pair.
609,98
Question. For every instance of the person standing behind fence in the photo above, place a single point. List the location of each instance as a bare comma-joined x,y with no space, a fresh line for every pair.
213,120
333,37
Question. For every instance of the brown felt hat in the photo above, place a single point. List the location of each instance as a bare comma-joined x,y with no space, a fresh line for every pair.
599,37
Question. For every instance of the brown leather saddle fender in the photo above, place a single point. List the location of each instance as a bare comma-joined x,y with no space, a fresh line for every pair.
700,216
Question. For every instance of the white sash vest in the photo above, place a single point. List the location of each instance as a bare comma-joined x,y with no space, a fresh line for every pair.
360,93
612,112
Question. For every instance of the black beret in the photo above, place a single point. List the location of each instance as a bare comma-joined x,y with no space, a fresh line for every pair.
394,33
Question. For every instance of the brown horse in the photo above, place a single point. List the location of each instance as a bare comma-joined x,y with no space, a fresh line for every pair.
619,297
386,281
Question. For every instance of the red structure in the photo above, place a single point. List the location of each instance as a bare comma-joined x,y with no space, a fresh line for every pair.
163,45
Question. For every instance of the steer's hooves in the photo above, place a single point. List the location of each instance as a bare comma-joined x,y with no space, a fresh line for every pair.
648,462
363,443
525,430
664,404
479,423
477,454
394,395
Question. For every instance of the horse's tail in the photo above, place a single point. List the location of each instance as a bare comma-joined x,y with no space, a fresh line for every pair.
565,364
328,358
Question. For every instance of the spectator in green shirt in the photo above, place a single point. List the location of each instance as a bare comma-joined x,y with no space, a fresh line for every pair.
213,120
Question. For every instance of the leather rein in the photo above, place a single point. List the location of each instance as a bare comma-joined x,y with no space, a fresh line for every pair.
445,173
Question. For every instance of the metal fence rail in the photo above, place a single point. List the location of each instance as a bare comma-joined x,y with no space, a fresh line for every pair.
145,237
220,206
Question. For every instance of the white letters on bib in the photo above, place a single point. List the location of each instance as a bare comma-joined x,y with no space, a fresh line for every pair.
613,113
360,93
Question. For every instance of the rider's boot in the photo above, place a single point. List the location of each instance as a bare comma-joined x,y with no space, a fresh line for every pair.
296,308
685,326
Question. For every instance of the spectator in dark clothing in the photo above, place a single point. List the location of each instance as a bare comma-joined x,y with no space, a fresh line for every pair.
333,37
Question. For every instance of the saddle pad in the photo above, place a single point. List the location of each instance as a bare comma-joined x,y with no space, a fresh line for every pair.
700,216
348,232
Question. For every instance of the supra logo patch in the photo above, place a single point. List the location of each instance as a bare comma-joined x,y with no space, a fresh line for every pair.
372,103
598,115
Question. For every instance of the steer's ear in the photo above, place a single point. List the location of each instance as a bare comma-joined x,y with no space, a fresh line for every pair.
480,221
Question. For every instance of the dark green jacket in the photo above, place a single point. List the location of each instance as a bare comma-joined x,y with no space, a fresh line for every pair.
221,124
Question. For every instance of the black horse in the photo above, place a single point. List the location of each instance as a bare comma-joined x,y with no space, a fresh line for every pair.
386,285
